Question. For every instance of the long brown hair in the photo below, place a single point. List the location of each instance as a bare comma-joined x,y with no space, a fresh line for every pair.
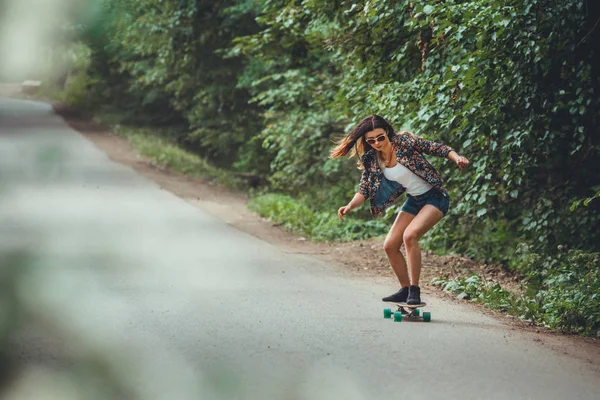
355,142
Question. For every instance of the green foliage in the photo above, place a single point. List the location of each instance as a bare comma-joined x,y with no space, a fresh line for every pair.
77,92
586,202
563,291
509,85
318,226
160,64
69,81
494,241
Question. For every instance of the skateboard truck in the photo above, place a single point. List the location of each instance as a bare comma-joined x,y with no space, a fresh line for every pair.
409,312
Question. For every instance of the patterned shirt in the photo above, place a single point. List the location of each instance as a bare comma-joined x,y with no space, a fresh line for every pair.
409,153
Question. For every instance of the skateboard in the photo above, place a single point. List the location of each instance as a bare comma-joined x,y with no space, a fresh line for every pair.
409,312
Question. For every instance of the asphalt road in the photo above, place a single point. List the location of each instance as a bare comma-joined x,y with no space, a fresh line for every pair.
126,287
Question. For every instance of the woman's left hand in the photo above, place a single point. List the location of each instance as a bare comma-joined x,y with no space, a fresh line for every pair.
462,162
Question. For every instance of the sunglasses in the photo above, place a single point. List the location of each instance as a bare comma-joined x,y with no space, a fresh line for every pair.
379,138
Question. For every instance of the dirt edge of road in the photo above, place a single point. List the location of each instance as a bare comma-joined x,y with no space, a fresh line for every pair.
360,258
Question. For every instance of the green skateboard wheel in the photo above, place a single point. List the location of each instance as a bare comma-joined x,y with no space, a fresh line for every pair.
417,312
426,316
387,313
397,316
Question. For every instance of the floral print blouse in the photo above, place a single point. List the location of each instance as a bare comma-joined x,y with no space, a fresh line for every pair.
409,152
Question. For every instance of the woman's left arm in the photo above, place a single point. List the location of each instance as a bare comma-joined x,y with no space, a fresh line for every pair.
440,150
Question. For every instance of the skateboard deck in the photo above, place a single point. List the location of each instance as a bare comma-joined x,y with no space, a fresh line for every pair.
411,305
408,312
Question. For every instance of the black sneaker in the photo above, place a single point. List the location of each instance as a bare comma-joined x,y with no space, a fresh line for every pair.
414,295
399,297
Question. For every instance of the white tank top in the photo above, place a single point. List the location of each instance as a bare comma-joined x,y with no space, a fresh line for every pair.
414,184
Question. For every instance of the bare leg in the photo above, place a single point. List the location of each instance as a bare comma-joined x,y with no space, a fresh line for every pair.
392,245
423,222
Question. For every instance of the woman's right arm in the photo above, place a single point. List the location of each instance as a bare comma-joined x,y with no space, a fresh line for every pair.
356,201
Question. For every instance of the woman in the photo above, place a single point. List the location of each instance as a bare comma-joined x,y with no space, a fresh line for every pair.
393,164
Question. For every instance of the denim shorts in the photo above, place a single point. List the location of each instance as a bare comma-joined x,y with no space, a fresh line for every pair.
439,200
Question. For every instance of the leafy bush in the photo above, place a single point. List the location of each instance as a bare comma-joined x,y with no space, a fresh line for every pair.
494,242
564,291
509,84
568,287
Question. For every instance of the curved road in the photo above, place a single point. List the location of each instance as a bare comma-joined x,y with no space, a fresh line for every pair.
126,287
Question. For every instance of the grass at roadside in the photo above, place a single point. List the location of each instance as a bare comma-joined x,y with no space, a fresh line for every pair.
294,215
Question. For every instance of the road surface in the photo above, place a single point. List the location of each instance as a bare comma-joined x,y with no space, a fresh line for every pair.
126,290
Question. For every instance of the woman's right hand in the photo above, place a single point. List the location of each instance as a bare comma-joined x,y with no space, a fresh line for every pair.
343,211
